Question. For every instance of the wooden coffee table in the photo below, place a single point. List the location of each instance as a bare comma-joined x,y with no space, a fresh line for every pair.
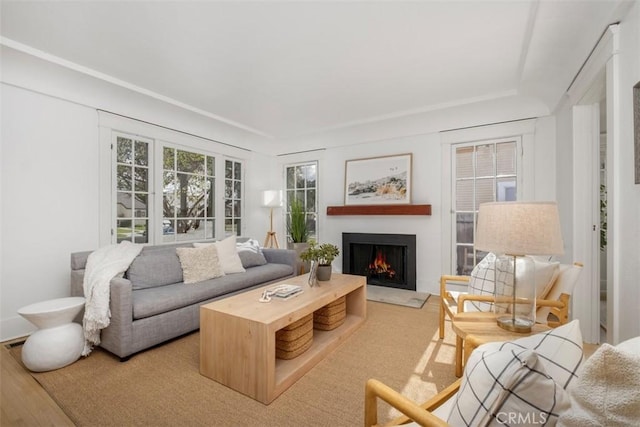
475,328
238,334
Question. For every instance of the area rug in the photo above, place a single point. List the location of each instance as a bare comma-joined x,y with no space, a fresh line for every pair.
401,297
163,386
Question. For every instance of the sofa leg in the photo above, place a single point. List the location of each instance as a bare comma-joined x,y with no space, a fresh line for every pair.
124,359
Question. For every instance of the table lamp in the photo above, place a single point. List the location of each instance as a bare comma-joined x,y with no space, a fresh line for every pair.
513,230
271,199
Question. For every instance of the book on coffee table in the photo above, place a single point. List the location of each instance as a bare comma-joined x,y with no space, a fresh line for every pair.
285,290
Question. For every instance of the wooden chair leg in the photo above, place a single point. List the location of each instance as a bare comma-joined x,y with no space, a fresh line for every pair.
441,319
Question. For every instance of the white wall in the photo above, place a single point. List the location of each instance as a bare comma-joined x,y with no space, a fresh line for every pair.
50,181
427,174
49,198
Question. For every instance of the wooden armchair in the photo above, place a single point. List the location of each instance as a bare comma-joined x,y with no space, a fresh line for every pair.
425,414
556,302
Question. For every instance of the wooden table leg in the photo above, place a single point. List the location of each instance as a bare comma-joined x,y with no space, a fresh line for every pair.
469,346
458,356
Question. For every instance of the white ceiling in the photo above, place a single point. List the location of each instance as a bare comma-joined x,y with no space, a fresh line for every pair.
287,69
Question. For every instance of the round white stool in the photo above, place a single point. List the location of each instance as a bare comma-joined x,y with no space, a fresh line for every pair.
58,342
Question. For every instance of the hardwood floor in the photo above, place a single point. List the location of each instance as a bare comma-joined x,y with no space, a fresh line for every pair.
22,401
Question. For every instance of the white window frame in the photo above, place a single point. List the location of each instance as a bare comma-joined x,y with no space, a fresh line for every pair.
522,129
317,189
221,176
158,173
151,180
111,125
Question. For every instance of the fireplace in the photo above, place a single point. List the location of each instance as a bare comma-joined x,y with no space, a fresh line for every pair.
385,259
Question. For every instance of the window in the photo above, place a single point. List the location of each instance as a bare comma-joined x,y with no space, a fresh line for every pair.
301,183
163,192
188,195
232,197
484,172
132,190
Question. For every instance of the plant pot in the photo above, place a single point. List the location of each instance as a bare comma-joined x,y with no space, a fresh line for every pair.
324,273
302,266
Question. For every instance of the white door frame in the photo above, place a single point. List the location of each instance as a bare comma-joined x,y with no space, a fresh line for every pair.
583,95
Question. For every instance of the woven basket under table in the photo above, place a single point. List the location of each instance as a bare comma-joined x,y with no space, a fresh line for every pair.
294,339
331,315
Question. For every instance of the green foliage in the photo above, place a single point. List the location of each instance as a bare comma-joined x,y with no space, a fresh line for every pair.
324,254
297,225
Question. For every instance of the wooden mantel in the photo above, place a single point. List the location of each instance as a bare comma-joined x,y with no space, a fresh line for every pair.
379,210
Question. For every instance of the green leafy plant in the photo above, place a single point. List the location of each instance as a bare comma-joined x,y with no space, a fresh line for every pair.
323,254
297,224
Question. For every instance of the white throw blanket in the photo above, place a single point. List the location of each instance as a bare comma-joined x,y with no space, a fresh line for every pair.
607,391
102,265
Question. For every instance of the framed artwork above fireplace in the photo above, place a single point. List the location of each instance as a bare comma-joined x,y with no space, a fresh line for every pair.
382,180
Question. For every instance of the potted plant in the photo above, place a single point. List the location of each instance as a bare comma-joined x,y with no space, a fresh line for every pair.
298,231
322,255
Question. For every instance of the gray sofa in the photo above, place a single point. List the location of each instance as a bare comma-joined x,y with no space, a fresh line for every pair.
151,304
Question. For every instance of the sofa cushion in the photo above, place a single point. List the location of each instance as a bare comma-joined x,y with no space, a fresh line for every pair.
250,253
228,254
151,301
199,264
155,267
498,384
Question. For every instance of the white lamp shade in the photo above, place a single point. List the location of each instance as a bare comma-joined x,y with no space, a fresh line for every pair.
519,228
272,198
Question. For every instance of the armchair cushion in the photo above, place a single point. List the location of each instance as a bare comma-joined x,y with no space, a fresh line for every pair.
499,385
565,282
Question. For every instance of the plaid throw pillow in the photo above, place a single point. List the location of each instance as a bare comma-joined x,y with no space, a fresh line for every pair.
559,349
483,279
507,387
482,283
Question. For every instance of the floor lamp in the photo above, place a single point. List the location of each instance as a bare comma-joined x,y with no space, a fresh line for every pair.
271,199
513,230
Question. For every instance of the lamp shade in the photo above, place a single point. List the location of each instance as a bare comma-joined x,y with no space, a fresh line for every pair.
519,228
272,198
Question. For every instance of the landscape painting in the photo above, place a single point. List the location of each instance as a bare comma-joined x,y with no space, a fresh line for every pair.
378,180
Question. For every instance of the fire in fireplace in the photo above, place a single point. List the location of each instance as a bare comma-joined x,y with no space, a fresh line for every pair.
385,259
379,266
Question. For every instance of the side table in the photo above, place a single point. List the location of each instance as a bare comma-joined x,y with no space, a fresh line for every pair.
58,342
475,328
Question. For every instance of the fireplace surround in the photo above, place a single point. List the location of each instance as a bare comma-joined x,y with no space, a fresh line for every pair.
385,259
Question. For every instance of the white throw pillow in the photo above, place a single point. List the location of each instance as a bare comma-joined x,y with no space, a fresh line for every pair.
199,264
607,393
507,387
559,349
228,254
